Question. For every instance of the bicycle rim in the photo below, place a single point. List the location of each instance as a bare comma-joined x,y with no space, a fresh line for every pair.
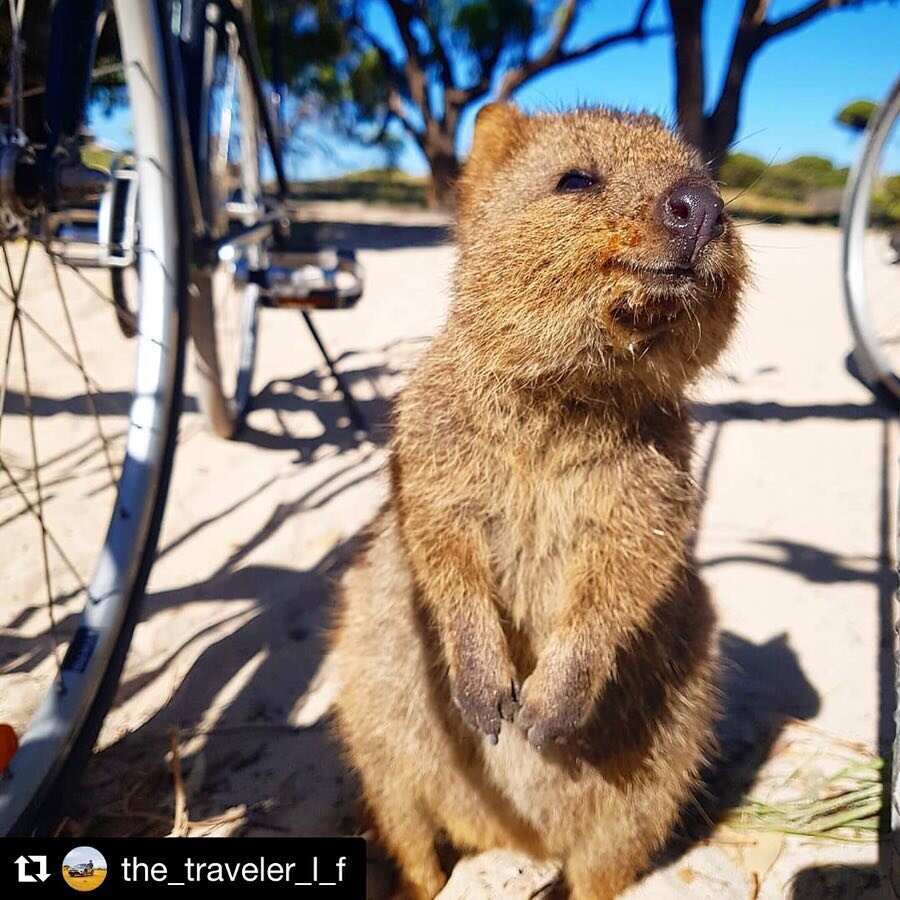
224,314
91,619
870,225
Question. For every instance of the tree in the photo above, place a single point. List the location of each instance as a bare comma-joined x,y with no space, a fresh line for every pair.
712,128
856,115
455,54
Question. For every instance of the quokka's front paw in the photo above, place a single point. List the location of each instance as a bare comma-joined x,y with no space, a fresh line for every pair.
484,701
557,699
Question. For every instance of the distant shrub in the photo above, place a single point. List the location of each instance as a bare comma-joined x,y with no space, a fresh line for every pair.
741,170
856,115
886,201
798,178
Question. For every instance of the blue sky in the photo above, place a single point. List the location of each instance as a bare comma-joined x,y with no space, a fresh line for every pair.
796,84
84,854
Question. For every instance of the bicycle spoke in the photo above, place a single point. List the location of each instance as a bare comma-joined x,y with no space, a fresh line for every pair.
76,466
54,639
50,537
4,385
82,277
16,285
93,287
27,317
15,322
89,396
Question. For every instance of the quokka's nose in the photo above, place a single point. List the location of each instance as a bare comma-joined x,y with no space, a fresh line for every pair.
692,214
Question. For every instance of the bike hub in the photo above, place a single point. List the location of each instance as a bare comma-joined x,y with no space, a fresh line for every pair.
20,185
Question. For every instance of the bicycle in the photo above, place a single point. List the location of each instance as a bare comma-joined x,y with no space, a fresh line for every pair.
870,226
177,236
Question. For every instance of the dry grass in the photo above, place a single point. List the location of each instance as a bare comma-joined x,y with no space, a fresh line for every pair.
88,883
818,787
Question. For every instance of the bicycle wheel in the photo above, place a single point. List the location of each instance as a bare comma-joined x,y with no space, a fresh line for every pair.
225,300
88,421
870,223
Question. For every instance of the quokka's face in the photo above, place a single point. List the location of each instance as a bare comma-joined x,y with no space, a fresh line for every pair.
599,242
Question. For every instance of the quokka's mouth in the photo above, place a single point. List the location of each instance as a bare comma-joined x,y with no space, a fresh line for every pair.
653,316
660,299
658,277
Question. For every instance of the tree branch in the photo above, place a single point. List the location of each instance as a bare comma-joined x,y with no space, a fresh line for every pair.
396,104
555,55
515,77
397,108
746,42
414,65
380,131
754,30
440,51
689,51
462,96
801,17
392,70
403,15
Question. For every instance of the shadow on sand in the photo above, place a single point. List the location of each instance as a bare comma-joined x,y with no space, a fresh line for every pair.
243,759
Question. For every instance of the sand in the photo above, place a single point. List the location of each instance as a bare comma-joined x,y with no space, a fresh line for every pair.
799,467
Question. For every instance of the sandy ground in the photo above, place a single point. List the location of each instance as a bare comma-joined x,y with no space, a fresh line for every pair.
798,464
86,883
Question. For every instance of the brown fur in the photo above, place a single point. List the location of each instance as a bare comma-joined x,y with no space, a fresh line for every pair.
530,576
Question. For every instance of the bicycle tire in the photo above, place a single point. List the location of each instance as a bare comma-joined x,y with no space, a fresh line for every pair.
874,366
224,396
62,732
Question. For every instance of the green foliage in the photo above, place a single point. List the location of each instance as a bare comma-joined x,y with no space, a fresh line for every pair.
314,41
97,157
741,170
856,115
483,29
798,178
886,201
794,180
366,82
807,188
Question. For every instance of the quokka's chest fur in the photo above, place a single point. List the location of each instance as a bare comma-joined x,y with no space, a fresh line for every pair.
544,491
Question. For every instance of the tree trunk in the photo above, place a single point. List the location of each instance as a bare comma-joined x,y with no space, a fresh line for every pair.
722,124
687,25
720,133
711,133
445,169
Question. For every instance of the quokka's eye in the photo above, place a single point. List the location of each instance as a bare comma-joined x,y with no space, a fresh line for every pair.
576,181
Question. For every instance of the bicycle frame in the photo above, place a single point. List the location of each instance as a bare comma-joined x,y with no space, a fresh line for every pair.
75,31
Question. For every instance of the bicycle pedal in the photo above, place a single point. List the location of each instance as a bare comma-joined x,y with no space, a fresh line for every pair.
314,280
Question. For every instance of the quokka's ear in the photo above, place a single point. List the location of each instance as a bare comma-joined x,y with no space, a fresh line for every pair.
499,129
